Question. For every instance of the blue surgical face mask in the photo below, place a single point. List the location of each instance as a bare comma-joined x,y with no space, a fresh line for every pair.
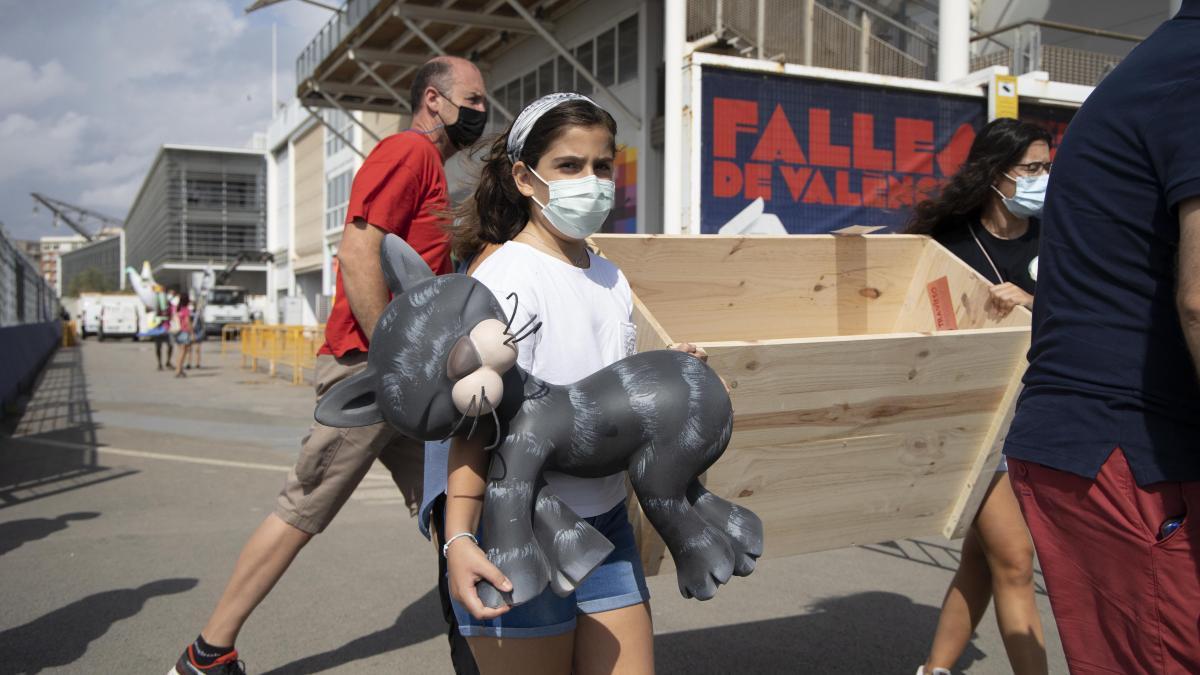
577,207
1029,197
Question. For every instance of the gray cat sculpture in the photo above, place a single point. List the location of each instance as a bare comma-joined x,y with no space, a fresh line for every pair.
443,363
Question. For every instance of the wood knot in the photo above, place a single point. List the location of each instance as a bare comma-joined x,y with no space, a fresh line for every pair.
818,288
870,292
745,493
752,366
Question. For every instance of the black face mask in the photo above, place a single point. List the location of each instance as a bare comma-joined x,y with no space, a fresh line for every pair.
469,126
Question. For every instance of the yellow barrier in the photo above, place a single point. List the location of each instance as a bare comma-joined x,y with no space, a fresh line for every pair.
230,332
70,338
292,346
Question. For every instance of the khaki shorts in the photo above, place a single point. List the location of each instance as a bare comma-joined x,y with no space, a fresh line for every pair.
334,461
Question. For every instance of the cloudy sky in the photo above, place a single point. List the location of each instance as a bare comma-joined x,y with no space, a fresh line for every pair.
89,89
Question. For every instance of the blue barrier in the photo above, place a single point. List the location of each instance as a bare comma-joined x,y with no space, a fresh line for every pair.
23,351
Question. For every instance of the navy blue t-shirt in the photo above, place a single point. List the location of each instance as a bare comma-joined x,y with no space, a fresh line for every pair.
1109,366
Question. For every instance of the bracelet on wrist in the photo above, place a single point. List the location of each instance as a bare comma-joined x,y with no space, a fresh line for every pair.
460,535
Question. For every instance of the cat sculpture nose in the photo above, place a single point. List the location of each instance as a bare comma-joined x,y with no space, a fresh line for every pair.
478,362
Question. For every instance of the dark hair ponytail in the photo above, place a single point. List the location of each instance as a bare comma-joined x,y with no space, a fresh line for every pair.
1000,144
496,212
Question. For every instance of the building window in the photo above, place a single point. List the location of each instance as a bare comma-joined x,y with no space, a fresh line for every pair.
241,192
627,49
219,192
221,241
337,197
205,193
528,89
344,125
606,57
546,79
512,94
583,54
566,75
612,57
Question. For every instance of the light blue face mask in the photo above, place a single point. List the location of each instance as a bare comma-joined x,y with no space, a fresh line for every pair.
577,207
1029,197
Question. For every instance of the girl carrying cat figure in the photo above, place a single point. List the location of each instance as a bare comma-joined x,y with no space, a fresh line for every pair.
545,187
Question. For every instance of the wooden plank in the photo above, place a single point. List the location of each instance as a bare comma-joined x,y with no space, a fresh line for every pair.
849,441
650,336
968,290
763,287
962,514
845,432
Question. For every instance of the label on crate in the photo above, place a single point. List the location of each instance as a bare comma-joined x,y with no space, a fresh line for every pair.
942,304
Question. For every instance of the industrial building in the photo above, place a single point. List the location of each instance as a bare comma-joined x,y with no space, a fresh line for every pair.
312,156
199,206
106,257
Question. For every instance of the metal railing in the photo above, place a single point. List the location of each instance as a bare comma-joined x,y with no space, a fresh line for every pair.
1020,47
846,35
294,347
331,35
25,297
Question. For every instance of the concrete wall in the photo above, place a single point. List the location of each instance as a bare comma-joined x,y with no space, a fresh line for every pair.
25,350
309,196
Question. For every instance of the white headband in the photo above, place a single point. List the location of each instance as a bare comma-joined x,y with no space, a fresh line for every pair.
531,114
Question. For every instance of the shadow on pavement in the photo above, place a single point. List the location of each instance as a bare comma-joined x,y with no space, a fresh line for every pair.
62,637
873,632
50,446
936,555
15,534
418,622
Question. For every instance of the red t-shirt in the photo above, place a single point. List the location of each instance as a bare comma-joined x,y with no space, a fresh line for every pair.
401,188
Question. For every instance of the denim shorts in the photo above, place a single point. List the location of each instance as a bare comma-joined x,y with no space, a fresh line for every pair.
618,582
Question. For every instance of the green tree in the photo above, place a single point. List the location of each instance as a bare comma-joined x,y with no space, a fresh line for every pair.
90,280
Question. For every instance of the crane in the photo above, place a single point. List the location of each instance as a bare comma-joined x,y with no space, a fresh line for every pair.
74,215
244,256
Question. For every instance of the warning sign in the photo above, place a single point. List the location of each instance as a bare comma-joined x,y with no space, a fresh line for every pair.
1002,98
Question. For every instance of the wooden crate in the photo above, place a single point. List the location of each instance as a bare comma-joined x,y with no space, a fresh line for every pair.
856,419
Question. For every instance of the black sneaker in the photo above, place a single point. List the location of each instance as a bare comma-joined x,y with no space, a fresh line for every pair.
226,665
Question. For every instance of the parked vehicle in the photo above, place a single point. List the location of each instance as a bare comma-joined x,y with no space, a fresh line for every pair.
120,316
89,314
222,305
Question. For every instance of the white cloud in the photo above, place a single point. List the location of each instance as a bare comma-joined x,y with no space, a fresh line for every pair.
83,114
31,146
113,199
26,84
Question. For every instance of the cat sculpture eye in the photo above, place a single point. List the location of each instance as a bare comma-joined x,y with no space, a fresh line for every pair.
464,359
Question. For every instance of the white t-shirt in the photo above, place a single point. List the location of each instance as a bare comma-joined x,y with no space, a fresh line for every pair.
586,326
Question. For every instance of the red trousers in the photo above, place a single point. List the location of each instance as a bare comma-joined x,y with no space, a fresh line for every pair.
1125,602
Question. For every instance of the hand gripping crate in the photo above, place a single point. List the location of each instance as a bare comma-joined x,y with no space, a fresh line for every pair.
871,386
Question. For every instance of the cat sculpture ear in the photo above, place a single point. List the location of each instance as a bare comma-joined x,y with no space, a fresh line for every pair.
350,403
402,266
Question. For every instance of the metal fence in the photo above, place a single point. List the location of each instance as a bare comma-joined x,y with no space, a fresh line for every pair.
25,297
1021,48
845,34
293,347
350,15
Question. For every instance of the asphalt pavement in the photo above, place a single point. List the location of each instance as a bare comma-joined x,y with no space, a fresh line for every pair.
126,494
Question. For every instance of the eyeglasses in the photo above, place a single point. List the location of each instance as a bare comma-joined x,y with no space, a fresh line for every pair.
1034,168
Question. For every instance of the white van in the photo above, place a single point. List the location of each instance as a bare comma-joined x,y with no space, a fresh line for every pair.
89,314
120,316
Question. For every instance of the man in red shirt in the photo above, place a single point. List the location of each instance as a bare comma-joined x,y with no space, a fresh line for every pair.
400,189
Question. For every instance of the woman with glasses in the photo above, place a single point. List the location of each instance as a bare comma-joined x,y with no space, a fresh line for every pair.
987,215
